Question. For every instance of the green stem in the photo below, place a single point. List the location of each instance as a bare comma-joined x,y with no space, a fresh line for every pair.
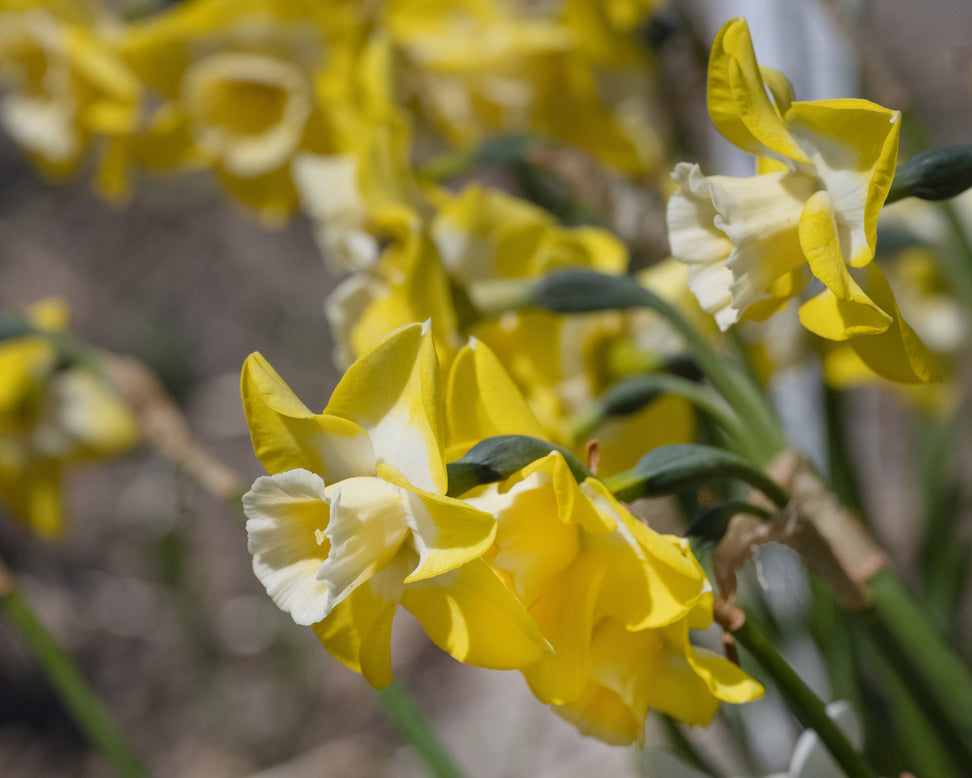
734,385
88,712
807,707
940,682
918,737
688,390
412,726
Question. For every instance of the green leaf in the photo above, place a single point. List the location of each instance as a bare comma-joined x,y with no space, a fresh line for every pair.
672,469
496,459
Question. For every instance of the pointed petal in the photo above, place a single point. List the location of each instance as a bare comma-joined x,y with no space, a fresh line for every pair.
482,401
843,310
445,532
535,539
853,145
285,512
654,579
738,104
624,668
358,634
897,354
393,393
286,434
564,613
470,613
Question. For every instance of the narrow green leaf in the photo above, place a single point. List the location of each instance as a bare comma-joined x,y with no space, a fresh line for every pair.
496,459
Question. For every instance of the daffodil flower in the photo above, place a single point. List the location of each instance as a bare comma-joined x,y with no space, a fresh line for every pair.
615,600
65,89
352,519
51,419
479,68
246,87
825,168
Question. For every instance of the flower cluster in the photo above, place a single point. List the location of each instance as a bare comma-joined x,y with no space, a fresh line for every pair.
537,573
246,89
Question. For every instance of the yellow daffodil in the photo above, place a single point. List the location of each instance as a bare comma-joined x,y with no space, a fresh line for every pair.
478,67
352,519
825,168
613,598
65,89
247,87
478,234
51,418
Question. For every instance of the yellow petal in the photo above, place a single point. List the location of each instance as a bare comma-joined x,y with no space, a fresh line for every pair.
564,612
623,440
654,579
470,613
40,490
445,532
286,434
624,666
482,401
853,145
393,393
897,354
358,634
738,104
537,533
725,680
843,310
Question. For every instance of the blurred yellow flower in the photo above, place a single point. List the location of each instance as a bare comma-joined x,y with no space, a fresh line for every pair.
480,67
353,518
51,417
825,168
65,89
246,86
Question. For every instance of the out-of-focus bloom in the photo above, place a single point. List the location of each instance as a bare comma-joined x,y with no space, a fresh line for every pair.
563,363
477,68
615,600
65,89
51,417
825,168
352,519
478,234
248,86
810,759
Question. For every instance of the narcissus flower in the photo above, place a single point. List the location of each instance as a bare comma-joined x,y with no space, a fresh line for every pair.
51,418
615,600
480,68
65,89
245,87
825,168
353,518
